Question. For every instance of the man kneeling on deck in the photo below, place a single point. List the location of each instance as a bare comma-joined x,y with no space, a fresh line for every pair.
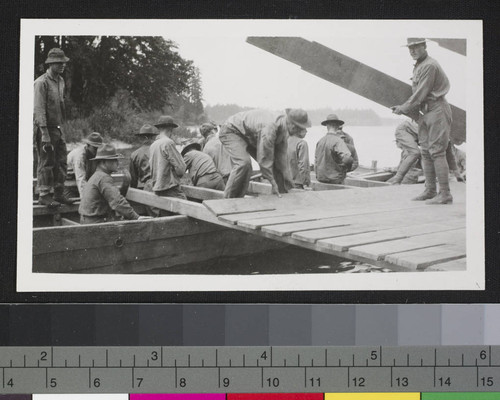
332,158
201,167
101,200
263,136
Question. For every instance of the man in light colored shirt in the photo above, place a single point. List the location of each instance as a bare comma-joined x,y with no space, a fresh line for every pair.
48,116
79,159
214,148
201,167
429,107
262,135
166,163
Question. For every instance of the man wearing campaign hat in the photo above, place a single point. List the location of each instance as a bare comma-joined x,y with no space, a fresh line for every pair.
101,200
201,167
428,105
262,135
338,128
48,116
214,148
79,159
332,159
140,172
166,163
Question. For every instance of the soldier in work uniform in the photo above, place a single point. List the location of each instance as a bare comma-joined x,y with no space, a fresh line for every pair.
298,158
201,167
79,159
213,147
101,199
332,158
48,116
140,172
166,163
264,136
429,86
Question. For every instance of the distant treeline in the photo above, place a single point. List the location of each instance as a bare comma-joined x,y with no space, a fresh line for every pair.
364,117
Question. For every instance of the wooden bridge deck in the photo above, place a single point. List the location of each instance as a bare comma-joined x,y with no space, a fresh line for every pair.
380,224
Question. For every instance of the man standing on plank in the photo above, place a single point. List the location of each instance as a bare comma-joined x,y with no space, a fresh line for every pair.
48,116
429,86
262,135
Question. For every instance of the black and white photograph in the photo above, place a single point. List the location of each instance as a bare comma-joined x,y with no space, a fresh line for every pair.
230,155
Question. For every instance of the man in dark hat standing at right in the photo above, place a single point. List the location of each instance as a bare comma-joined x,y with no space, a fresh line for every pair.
429,86
48,116
262,135
166,163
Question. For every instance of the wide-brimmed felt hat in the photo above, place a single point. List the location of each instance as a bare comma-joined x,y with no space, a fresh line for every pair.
147,129
94,139
167,121
332,118
107,152
189,145
298,117
414,41
56,55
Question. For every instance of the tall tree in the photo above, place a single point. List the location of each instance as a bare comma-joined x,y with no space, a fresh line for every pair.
147,67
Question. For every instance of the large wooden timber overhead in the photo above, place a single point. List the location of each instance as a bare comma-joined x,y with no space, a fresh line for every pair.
348,73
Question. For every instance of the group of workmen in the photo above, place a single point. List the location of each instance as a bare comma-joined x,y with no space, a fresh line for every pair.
221,160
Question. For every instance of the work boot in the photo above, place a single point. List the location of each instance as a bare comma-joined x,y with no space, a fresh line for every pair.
425,195
395,180
48,201
61,197
444,197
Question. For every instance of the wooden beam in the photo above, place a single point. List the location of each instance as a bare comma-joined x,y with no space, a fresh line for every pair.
457,45
63,209
199,193
68,222
350,74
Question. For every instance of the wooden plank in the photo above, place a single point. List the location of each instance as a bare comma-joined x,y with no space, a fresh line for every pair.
375,214
68,222
63,209
457,45
234,218
455,265
312,219
200,193
349,73
423,258
336,231
149,254
378,251
174,205
365,183
56,239
181,249
344,243
318,186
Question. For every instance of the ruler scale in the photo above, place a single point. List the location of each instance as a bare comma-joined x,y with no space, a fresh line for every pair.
274,369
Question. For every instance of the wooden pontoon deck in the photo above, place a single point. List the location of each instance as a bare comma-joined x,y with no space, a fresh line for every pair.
379,225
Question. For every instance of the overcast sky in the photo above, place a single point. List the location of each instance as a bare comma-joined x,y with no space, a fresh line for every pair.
234,71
